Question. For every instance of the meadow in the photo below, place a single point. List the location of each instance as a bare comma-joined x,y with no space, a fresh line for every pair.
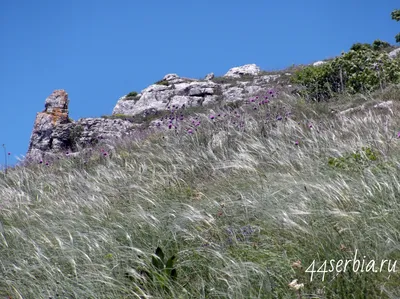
245,202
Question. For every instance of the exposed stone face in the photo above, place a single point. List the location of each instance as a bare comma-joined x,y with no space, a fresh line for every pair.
210,76
394,53
54,133
54,114
158,97
170,77
317,63
193,93
248,69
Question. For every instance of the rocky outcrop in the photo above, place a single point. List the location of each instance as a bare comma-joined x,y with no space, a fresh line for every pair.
248,69
317,63
175,91
209,76
55,133
54,115
393,54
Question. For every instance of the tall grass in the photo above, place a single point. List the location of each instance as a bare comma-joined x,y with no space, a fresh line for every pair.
245,210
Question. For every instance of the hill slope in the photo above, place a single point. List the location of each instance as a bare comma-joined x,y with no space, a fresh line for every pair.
239,203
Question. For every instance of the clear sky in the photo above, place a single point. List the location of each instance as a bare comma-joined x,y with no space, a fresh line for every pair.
100,50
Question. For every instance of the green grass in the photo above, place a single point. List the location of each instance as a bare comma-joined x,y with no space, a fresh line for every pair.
236,214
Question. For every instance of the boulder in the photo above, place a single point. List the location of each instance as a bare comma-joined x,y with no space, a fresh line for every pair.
170,77
317,63
248,69
393,54
209,76
160,97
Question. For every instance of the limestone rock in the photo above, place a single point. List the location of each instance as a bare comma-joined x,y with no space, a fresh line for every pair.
170,77
317,63
385,105
160,97
54,114
248,69
393,54
54,133
209,76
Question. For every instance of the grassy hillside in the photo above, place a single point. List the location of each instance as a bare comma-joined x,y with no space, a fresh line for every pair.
239,207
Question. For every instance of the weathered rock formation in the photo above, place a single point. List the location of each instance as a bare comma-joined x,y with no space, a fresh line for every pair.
209,76
317,63
248,69
54,115
55,133
394,53
237,84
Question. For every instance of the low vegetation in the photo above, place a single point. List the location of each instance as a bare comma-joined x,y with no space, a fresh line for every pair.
253,201
162,82
132,94
364,68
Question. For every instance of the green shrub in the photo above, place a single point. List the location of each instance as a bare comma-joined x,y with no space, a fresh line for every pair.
378,45
132,94
355,161
360,46
360,70
162,82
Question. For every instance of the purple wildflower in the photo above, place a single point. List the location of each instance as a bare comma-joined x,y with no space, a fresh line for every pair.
279,117
190,131
398,134
296,143
212,116
40,162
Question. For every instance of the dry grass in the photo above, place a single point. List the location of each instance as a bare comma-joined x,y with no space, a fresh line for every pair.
237,206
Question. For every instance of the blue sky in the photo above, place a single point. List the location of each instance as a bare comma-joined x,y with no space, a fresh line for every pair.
100,50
